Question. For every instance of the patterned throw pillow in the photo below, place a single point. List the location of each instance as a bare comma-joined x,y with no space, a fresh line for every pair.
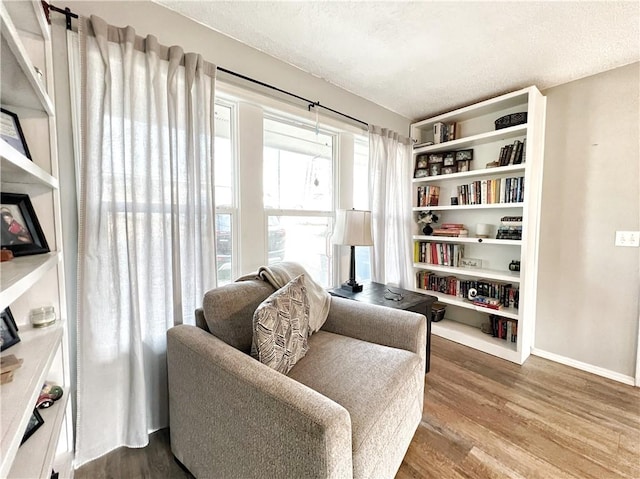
281,325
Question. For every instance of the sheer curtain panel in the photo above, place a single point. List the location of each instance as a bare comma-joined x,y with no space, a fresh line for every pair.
390,193
146,246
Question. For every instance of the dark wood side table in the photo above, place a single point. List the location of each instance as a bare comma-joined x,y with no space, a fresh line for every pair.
374,293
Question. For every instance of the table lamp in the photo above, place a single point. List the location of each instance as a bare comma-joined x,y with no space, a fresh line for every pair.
353,228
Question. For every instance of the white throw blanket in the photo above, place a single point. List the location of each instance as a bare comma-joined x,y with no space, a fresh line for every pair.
279,274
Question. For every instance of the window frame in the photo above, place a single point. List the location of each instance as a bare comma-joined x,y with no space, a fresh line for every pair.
232,209
335,169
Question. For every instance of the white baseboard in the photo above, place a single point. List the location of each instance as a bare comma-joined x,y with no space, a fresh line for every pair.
590,368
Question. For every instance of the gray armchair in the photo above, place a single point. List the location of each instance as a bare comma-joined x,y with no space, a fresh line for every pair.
349,408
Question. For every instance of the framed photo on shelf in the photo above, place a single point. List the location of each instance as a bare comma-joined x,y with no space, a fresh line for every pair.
436,158
434,169
448,170
421,162
34,423
8,330
463,165
421,173
20,230
449,159
11,132
464,155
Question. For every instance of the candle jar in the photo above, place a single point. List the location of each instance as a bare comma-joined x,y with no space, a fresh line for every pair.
42,317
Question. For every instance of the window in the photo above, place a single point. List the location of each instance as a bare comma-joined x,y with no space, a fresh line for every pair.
224,177
361,201
298,166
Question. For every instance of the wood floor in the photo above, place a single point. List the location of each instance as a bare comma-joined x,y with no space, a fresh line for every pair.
483,418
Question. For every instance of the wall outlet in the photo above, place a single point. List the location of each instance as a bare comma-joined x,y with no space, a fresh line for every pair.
628,238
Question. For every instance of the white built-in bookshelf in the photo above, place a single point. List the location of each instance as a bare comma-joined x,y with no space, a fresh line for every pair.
28,282
477,189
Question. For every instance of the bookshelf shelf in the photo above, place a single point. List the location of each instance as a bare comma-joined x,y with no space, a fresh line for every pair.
20,85
44,439
17,168
473,337
37,347
513,277
475,129
498,171
476,140
20,274
511,313
454,239
490,206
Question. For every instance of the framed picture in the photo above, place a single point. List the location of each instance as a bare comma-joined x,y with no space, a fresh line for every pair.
34,423
464,155
421,173
20,229
449,159
421,162
8,330
11,132
448,170
436,158
434,169
463,165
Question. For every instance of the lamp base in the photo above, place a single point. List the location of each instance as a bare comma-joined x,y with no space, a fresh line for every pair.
354,288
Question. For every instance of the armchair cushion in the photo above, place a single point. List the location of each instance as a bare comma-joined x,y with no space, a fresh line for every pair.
381,387
281,325
228,311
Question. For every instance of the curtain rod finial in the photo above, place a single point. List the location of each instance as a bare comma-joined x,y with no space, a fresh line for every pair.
47,13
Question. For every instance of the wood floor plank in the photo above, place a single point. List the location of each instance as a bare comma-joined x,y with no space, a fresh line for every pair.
483,418
541,419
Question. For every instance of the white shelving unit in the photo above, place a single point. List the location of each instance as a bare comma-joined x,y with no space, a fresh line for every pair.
475,129
38,280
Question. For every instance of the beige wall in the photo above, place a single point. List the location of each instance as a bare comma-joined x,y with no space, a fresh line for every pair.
172,29
588,288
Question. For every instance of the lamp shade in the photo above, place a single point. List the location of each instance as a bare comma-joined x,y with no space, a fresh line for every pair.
353,227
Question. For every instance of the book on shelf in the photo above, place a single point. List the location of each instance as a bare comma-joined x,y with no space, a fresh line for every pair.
512,154
492,191
504,328
443,254
504,294
428,195
443,132
451,229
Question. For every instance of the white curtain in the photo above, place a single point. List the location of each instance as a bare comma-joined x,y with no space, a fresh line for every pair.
146,246
390,192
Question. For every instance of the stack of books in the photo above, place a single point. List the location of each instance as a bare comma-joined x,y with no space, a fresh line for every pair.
510,228
456,230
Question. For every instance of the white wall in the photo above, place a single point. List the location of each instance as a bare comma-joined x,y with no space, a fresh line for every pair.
588,288
173,29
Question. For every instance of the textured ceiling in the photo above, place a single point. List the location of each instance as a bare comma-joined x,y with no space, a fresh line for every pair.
421,58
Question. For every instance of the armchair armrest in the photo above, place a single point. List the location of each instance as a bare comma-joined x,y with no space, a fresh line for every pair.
231,416
378,324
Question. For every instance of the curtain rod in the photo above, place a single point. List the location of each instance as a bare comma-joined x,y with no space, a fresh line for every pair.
48,8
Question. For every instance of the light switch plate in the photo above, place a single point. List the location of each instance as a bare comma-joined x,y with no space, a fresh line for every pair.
628,238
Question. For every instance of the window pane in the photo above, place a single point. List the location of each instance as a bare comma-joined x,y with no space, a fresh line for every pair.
224,248
223,156
361,201
298,168
361,173
302,239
